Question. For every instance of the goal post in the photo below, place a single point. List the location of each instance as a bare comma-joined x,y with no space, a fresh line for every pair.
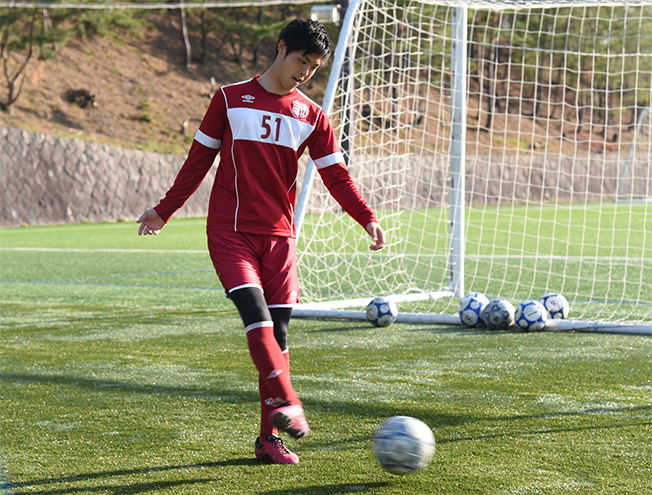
492,139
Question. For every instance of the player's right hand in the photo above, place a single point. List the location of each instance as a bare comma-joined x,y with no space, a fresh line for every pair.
150,223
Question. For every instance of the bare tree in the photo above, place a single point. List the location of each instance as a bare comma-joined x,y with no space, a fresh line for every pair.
204,35
184,33
14,70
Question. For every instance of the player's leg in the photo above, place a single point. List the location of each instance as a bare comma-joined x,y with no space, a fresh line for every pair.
280,407
281,318
263,347
290,419
237,259
281,284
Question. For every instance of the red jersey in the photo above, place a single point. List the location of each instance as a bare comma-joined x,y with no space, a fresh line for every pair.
261,137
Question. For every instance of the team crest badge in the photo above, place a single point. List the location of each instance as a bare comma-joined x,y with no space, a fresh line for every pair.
299,109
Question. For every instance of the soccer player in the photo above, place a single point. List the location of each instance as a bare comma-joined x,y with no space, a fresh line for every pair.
261,127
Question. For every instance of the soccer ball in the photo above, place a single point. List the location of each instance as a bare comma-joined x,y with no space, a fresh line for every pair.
531,316
498,314
471,307
403,445
556,304
381,311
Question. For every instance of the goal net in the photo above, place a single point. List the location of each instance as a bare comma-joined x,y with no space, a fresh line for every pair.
506,148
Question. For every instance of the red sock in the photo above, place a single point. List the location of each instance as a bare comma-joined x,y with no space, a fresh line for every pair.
286,355
266,427
271,365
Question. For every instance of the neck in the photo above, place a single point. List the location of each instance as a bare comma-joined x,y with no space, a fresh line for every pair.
271,83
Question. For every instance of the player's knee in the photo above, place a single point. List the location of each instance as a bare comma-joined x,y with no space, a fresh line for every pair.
251,305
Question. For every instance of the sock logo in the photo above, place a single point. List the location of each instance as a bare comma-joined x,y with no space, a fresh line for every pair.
274,374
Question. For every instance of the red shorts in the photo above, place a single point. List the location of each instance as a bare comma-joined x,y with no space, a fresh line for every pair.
253,260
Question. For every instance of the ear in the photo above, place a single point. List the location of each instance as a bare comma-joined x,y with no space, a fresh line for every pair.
281,48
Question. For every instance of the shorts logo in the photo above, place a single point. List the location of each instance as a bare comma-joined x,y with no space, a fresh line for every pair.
299,109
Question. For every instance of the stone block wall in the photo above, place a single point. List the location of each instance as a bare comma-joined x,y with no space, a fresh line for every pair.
49,180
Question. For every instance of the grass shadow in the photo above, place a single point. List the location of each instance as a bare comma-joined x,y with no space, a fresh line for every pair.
15,488
327,489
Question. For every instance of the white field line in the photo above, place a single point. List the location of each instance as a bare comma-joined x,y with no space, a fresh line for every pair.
487,257
104,250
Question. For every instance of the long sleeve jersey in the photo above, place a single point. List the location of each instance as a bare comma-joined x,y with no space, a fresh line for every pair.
260,137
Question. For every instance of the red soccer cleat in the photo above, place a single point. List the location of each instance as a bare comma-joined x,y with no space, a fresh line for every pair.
291,420
272,449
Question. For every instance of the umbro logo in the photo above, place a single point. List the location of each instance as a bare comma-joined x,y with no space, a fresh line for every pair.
248,98
274,374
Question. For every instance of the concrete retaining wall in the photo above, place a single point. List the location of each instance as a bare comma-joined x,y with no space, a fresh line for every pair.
49,180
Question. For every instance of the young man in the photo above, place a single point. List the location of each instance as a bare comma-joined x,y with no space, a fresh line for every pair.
261,127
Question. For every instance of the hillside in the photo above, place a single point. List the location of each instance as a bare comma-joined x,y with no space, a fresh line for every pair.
135,91
131,92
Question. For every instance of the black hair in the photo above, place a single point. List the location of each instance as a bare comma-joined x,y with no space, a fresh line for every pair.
306,36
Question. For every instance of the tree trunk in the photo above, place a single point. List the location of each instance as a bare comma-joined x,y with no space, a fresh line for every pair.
540,70
204,37
491,74
15,82
184,33
257,41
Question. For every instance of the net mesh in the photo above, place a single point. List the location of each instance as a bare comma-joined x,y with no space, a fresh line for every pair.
558,156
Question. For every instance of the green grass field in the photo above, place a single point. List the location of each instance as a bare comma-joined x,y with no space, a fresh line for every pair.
125,371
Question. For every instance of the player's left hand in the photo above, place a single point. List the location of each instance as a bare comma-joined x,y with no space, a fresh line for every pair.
377,234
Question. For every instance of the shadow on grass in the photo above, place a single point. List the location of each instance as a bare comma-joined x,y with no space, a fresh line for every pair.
133,488
327,489
130,488
124,488
434,418
131,388
543,431
224,395
363,325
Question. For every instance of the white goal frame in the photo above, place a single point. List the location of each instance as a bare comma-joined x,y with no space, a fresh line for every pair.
455,287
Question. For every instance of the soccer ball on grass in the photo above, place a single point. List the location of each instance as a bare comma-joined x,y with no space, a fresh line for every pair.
403,444
531,316
471,307
498,314
381,311
556,305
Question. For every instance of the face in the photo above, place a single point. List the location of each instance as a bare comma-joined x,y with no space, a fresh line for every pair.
296,68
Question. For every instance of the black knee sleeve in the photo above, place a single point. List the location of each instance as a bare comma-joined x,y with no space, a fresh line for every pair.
281,319
251,305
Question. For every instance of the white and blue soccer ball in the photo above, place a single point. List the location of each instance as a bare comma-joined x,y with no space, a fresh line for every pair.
403,444
531,316
381,311
556,305
498,314
471,306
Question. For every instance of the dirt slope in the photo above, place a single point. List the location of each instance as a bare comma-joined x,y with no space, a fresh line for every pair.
135,93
